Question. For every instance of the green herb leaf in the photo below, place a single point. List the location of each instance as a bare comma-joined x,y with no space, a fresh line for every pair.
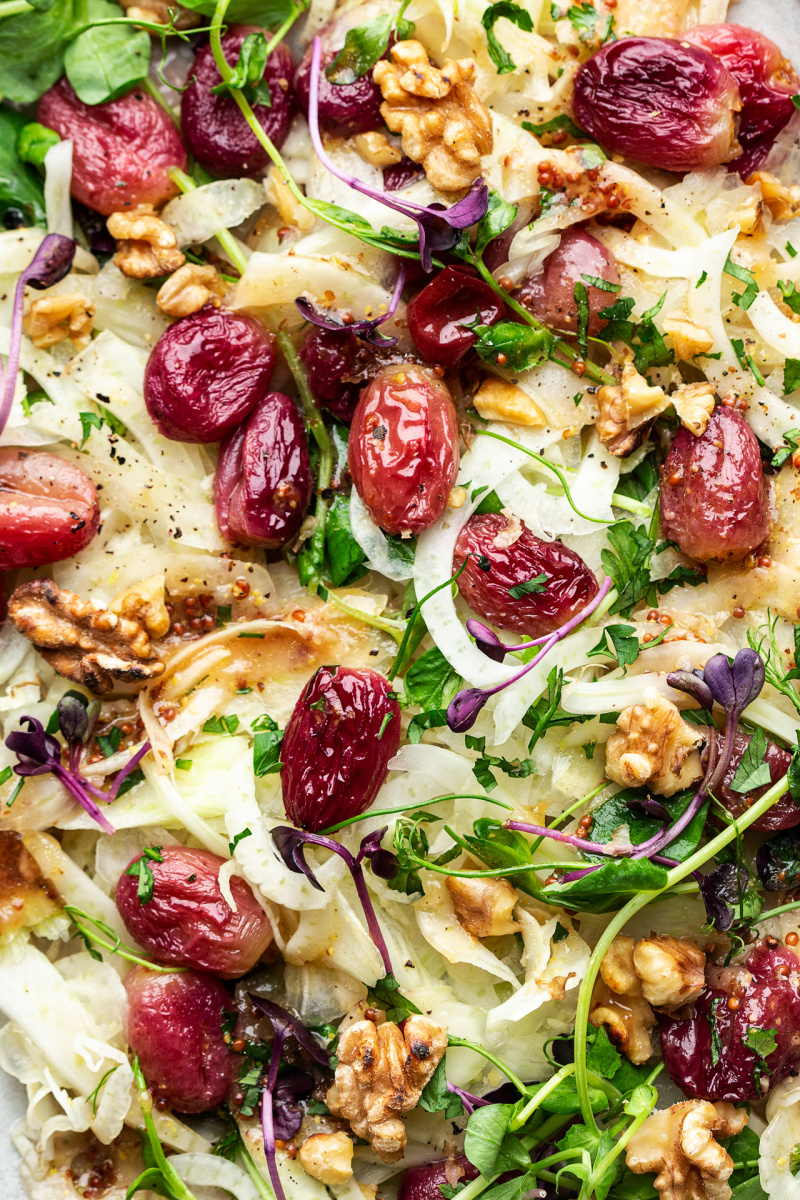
183,764
363,46
386,994
791,438
743,299
34,141
790,294
761,1041
582,305
5,775
614,812
620,642
109,742
746,360
557,125
499,213
248,74
266,746
516,347
344,552
142,870
35,397
436,1098
106,62
219,725
433,719
504,64
628,564
487,1144
753,771
431,682
243,833
532,587
602,284
131,781
608,887
791,376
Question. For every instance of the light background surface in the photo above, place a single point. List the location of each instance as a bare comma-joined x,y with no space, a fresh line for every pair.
780,19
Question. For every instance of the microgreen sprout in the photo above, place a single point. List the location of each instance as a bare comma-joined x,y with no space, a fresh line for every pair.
366,330
291,847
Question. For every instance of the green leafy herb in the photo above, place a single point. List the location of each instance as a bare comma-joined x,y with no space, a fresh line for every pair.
35,397
619,641
582,306
248,74
266,746
142,870
547,713
790,250
532,587
753,771
20,187
482,769
431,682
628,564
433,719
487,1139
504,64
5,775
642,336
790,294
109,742
219,725
582,17
602,284
365,44
499,215
105,62
243,833
436,1098
387,718
608,887
159,1175
183,764
557,125
345,556
761,1041
90,421
742,299
791,439
746,360
613,813
386,994
516,347
224,614
15,793
702,279
791,376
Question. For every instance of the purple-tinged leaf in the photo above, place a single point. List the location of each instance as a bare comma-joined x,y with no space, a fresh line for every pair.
34,749
650,806
692,683
736,685
366,330
291,845
73,717
290,1026
487,641
463,709
721,890
293,1085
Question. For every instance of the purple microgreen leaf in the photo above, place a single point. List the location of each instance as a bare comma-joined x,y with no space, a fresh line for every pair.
293,1085
463,709
736,685
34,749
721,890
692,683
290,1026
650,806
51,263
384,864
366,330
291,844
487,641
73,717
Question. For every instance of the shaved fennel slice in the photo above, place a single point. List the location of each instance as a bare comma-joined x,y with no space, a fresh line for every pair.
336,937
207,1170
773,327
439,925
544,961
181,812
654,260
256,854
484,467
515,701
57,184
769,415
705,309
72,884
373,542
778,1141
550,516
199,215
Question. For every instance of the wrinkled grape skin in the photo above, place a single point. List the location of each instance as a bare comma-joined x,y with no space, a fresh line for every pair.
206,373
550,295
330,357
403,448
437,315
334,760
422,1182
714,497
215,130
660,102
344,109
48,508
785,814
263,483
120,150
570,584
768,1001
188,922
766,82
175,1027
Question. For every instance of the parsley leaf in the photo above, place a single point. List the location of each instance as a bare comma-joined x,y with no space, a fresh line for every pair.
432,719
761,1041
243,833
752,772
791,296
742,299
791,376
221,725
248,74
628,564
621,642
430,681
504,63
143,871
791,438
266,746
531,587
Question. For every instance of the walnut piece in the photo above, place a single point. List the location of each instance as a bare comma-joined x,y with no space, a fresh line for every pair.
506,538
381,1073
327,1157
688,339
145,603
87,644
782,201
653,746
484,906
497,400
189,288
672,970
694,404
289,208
376,149
680,1145
52,319
625,411
617,1002
443,124
146,246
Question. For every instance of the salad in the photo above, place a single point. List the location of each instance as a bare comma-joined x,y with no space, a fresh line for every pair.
400,569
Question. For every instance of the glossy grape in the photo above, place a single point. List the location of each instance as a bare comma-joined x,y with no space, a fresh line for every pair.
550,295
263,483
175,1026
216,132
768,994
403,448
664,103
206,373
120,150
48,508
423,1181
188,921
344,729
437,315
344,109
568,584
714,497
767,82
331,358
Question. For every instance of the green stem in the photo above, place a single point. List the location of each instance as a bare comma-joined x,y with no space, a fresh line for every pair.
177,1188
388,812
283,29
601,609
634,905
110,942
561,818
452,1040
629,505
224,236
395,629
319,432
619,1145
542,1094
777,912
12,8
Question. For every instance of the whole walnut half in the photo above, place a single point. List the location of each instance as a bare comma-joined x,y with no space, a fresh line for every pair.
653,746
380,1076
86,643
680,1144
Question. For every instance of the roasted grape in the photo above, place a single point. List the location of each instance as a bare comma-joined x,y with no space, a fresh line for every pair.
438,316
344,729
783,815
345,109
48,508
550,295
